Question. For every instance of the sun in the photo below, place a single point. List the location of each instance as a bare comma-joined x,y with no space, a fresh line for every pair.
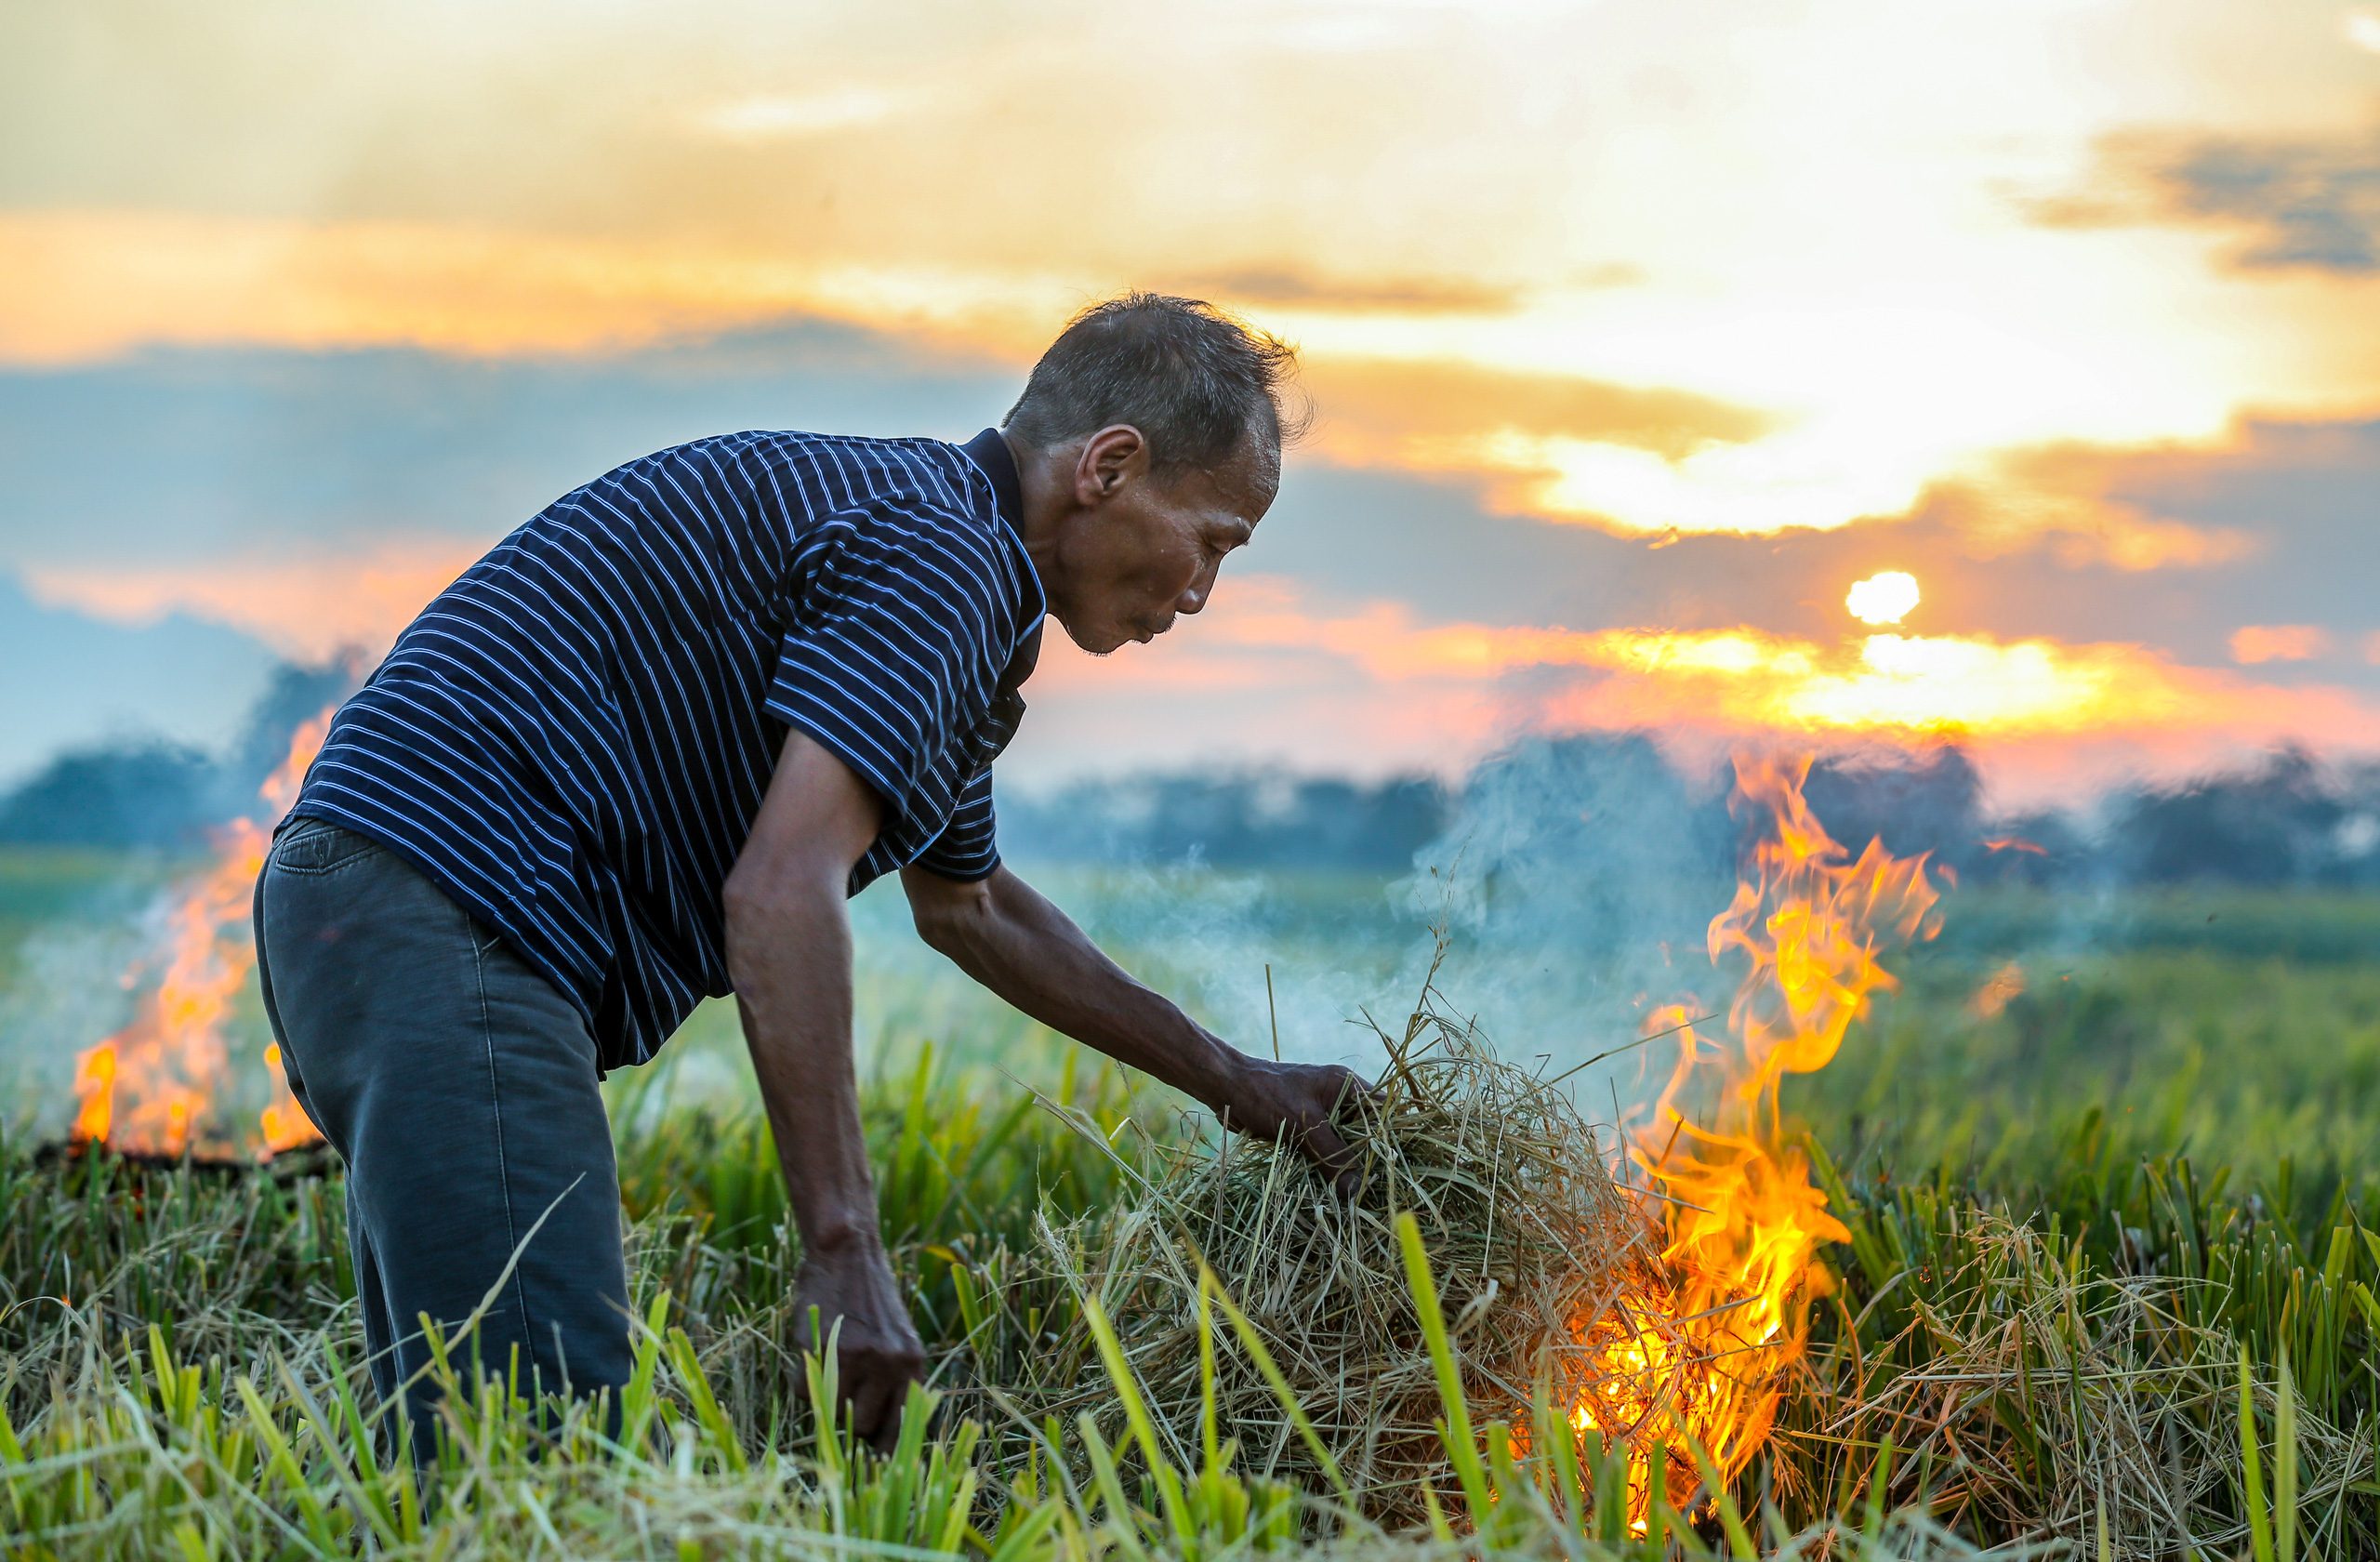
1883,599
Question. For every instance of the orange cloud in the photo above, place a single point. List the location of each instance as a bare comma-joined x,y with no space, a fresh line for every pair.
1450,415
91,285
1965,686
2252,644
2059,497
1260,637
307,607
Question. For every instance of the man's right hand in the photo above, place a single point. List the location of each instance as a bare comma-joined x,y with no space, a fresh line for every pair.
789,956
877,1354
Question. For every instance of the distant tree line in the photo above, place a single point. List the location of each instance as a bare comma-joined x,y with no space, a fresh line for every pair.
149,793
2283,820
2286,819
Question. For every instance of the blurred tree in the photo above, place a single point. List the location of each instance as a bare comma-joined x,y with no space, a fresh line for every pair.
133,793
144,792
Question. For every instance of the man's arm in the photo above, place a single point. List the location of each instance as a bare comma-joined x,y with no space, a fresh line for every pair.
1004,935
789,955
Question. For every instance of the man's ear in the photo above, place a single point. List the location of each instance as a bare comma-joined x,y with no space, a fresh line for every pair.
1109,456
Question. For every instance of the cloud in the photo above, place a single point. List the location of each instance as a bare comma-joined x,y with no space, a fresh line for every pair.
1447,415
1286,284
70,680
2255,643
2063,498
88,285
2292,203
1746,679
307,607
765,116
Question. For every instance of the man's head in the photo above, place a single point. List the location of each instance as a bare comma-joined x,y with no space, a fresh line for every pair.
1149,442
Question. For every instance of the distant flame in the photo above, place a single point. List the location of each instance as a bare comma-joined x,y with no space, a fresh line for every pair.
151,1088
1743,1221
2001,987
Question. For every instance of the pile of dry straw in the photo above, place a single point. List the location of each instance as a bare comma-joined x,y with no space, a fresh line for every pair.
1538,1253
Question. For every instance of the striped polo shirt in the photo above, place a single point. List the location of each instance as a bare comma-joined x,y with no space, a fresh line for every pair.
572,739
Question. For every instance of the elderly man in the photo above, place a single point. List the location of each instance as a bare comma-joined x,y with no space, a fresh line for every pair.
643,750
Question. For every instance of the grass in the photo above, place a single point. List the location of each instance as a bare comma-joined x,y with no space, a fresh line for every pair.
2113,1255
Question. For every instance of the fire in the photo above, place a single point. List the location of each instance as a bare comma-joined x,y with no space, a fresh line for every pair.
149,1089
1702,1360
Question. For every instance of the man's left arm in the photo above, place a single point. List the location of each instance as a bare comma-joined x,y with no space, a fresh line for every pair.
1002,932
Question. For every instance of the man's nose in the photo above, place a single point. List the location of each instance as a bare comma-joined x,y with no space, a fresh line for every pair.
1194,597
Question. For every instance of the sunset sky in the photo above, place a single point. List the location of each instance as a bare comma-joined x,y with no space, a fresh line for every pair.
1637,334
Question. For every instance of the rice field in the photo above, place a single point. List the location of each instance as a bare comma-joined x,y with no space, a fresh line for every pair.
2110,1290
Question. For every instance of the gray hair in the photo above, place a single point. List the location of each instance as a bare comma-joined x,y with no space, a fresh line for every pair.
1194,382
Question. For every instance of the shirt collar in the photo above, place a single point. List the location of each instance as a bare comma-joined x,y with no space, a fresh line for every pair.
989,451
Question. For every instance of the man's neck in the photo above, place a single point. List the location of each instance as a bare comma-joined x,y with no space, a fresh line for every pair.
1045,482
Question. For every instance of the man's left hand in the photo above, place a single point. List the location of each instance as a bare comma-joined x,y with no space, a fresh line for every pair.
1303,1105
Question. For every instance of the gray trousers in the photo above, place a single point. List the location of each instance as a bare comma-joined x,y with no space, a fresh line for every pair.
460,1087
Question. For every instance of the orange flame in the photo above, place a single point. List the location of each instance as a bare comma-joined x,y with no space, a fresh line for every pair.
149,1089
1744,1223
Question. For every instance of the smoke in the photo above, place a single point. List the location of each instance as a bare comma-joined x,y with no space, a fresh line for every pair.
1570,879
61,988
1574,885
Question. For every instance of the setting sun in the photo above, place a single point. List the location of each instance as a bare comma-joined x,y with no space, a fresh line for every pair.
1883,599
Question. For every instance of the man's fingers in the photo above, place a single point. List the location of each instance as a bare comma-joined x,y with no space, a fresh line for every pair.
1358,1094
878,1383
1323,1143
867,1402
1336,1157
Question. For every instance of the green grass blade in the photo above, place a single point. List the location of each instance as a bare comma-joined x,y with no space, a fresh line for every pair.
1731,1521
1462,1448
1119,1373
2284,1468
2251,1478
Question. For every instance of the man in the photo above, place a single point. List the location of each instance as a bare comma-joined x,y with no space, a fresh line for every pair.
643,750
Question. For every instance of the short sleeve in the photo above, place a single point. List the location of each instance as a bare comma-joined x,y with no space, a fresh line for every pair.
893,649
966,850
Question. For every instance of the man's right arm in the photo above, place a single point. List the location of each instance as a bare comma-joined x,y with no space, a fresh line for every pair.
789,956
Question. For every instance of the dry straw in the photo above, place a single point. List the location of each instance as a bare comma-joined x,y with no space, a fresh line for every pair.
1536,1250
2079,1406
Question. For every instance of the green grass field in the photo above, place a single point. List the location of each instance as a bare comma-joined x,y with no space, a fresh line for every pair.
2091,1220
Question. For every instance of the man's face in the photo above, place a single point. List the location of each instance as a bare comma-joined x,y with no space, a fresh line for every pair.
1138,550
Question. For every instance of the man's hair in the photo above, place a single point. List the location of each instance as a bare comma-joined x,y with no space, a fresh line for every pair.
1194,382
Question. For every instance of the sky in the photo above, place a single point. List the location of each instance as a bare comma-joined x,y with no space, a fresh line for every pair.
1635,336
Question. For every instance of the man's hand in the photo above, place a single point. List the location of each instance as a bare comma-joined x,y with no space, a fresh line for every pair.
1006,937
790,954
877,1353
1301,1104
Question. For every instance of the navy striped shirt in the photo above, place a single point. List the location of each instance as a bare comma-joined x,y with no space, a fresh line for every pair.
572,739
